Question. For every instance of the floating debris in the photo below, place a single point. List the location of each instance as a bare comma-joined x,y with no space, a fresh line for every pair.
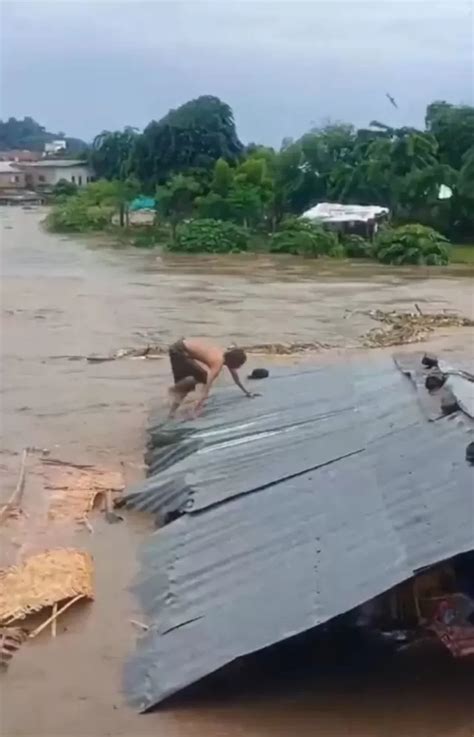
43,580
11,639
409,327
157,351
76,488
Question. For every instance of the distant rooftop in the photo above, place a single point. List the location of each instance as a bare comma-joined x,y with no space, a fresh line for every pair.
8,167
57,163
20,155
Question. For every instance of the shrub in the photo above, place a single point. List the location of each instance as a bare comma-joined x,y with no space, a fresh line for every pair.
302,237
209,236
357,247
77,214
337,251
412,244
92,208
63,189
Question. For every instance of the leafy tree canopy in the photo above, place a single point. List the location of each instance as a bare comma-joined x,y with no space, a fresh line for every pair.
194,136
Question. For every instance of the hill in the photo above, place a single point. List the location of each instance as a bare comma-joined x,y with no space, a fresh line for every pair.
28,134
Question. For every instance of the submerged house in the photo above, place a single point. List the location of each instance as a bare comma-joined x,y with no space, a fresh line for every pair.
361,220
48,172
339,484
11,176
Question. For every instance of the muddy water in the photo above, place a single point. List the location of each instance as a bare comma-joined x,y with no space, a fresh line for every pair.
62,298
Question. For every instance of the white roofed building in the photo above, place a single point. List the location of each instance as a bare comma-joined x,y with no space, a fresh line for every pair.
360,219
48,172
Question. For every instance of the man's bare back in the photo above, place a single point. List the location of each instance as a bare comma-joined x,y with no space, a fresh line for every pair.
197,361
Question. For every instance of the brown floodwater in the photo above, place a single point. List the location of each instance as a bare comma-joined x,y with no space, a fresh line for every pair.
63,298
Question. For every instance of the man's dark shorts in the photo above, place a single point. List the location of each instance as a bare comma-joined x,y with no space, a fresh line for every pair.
183,365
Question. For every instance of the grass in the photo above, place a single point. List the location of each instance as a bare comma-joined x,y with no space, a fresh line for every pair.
462,254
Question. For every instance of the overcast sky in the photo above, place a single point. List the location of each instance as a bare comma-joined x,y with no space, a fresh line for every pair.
82,67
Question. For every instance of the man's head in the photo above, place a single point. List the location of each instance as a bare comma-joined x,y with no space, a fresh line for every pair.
234,358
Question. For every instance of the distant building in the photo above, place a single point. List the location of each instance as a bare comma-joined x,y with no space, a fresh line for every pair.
361,220
19,155
54,147
11,176
48,172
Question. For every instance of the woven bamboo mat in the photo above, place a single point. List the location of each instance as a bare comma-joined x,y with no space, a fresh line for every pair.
74,491
42,581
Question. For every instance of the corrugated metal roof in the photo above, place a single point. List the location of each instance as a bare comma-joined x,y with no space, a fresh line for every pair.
333,212
251,563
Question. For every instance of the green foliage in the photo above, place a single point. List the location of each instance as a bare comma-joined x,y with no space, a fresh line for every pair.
222,178
463,254
412,244
78,215
337,251
209,236
194,136
175,200
245,204
357,247
63,189
298,236
93,207
194,156
453,128
213,206
110,155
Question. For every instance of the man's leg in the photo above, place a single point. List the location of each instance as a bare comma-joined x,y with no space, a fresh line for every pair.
179,392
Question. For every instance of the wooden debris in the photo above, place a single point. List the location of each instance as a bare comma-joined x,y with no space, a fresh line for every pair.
52,619
409,327
85,521
59,462
75,491
157,351
11,639
14,503
42,581
111,516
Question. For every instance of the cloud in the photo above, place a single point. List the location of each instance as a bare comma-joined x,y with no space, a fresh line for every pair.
279,64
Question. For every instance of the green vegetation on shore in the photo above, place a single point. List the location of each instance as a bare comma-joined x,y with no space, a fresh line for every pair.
463,254
214,194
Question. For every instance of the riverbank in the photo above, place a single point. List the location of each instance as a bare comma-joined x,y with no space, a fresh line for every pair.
62,298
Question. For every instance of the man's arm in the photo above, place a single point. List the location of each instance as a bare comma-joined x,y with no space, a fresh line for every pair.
235,376
212,374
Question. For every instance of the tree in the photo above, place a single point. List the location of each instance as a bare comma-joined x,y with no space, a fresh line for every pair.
222,178
175,200
453,128
245,204
194,136
110,155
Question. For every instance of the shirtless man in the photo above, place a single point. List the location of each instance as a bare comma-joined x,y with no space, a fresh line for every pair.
193,362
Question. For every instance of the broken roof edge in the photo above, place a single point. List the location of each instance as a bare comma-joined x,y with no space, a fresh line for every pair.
141,666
